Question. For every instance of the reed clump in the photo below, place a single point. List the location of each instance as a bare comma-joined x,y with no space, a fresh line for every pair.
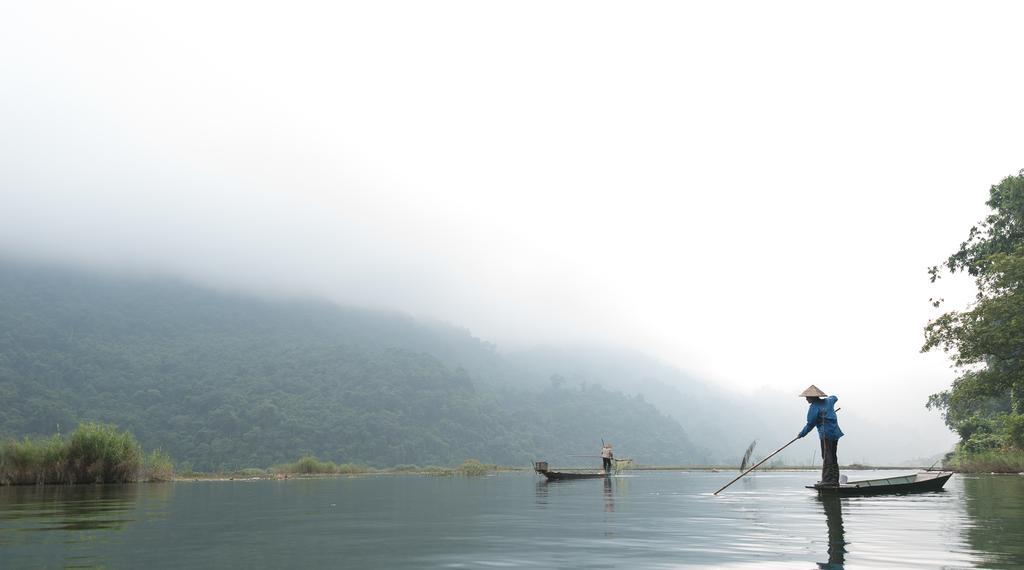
474,468
310,465
94,453
158,466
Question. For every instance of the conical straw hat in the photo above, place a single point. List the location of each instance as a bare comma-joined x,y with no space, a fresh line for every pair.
812,392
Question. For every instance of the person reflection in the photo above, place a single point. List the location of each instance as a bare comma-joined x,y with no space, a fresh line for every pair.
542,492
836,538
609,501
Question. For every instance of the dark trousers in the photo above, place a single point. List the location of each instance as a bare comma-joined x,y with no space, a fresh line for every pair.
607,463
829,462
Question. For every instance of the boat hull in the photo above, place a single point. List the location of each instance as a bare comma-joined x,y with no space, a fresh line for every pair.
562,475
917,483
541,467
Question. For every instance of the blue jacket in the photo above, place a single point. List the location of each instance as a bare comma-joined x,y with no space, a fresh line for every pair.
822,414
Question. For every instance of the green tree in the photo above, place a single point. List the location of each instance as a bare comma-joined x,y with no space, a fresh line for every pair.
986,340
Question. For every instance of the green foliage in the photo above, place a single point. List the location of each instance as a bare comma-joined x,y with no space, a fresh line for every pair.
1014,429
94,453
982,441
986,341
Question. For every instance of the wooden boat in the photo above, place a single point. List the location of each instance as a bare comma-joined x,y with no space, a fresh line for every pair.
542,468
914,483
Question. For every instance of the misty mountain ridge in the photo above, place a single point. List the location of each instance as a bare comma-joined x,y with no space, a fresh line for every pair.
230,366
224,380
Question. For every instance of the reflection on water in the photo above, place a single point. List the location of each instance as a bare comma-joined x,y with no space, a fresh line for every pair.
74,516
995,505
609,500
92,507
636,520
836,537
609,488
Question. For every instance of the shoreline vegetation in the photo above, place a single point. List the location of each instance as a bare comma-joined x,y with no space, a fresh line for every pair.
93,453
985,403
99,453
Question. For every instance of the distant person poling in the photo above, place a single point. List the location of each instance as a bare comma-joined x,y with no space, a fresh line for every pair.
821,414
607,456
610,465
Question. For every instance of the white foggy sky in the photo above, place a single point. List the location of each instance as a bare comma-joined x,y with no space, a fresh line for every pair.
751,191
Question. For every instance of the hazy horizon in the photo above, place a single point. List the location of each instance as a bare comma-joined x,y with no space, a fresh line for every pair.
751,193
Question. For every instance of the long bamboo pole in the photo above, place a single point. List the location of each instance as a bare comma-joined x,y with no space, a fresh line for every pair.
758,464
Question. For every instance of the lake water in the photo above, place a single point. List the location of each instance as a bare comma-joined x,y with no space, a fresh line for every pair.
639,520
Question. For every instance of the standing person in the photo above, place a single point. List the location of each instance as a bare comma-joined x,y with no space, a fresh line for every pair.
822,415
606,457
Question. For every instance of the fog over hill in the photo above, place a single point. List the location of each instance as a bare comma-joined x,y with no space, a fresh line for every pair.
726,421
223,379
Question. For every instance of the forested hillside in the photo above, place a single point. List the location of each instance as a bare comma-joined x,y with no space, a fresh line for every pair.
224,380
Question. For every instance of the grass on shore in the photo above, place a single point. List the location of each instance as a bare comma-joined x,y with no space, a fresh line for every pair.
310,466
987,462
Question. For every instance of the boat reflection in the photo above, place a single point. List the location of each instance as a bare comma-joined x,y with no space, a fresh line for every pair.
836,535
609,499
609,488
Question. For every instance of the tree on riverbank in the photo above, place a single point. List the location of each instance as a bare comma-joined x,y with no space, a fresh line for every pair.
985,404
94,453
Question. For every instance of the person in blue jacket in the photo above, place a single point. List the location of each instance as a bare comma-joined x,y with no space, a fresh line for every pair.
822,415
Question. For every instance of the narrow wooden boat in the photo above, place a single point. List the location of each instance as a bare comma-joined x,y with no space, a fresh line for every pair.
552,475
914,483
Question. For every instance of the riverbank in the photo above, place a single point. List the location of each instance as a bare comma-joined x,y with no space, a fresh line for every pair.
476,469
311,468
988,462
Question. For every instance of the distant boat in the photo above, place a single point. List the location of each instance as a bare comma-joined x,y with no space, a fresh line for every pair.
915,483
552,475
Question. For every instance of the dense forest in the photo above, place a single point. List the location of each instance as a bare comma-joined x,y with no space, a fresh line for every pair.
221,380
985,404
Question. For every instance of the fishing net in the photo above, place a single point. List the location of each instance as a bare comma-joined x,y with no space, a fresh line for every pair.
619,464
747,454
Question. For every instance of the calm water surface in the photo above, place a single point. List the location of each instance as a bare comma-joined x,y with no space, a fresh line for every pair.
643,520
